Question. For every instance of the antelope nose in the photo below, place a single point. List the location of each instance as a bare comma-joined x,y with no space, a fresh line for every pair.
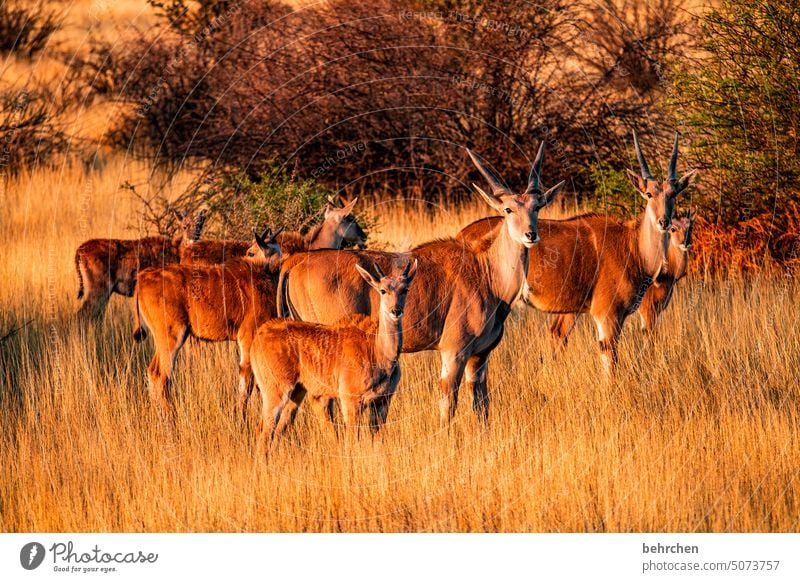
664,223
397,312
532,236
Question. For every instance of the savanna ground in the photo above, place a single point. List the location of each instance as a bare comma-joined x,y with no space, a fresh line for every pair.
698,432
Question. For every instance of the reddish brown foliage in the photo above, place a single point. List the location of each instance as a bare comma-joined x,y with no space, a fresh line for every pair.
766,242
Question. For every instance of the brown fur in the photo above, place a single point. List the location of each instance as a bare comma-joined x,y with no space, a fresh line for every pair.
597,264
657,297
292,242
212,303
585,264
338,227
354,361
451,307
107,266
457,306
213,252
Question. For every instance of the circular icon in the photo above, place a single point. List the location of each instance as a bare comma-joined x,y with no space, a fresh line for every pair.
31,555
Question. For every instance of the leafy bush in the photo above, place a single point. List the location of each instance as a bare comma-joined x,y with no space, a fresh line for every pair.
274,198
613,191
742,103
239,203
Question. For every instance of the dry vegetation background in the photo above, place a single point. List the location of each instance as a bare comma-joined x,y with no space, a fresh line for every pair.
698,433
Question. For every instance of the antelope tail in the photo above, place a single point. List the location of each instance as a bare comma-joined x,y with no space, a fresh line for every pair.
285,308
139,331
80,275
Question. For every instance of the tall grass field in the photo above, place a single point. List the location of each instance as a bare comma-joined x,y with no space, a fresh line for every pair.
699,430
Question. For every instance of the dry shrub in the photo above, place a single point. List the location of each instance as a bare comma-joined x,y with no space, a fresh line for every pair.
28,135
383,96
24,29
766,243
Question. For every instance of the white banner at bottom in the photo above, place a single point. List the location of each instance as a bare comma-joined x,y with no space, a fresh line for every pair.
374,557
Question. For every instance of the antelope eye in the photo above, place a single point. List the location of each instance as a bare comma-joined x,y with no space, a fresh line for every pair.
383,291
251,254
507,210
673,229
649,195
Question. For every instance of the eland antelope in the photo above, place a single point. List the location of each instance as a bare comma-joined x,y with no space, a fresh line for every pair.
596,263
355,361
106,266
461,298
208,302
658,296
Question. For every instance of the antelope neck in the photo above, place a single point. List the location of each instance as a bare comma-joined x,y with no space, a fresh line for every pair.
507,262
653,245
324,238
389,339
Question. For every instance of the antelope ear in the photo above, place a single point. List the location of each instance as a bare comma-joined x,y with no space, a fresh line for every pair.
686,180
490,199
350,205
638,182
411,271
550,195
262,244
367,276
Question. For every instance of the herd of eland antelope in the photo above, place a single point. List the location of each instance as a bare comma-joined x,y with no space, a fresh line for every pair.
313,320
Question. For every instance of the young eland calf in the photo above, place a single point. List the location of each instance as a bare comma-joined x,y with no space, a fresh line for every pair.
213,303
355,360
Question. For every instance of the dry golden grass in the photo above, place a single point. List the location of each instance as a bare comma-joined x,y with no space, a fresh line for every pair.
698,433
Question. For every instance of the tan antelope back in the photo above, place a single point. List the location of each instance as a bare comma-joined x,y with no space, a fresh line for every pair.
197,251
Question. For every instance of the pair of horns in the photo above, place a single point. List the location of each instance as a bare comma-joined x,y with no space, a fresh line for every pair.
497,186
340,203
268,237
406,270
673,161
180,214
